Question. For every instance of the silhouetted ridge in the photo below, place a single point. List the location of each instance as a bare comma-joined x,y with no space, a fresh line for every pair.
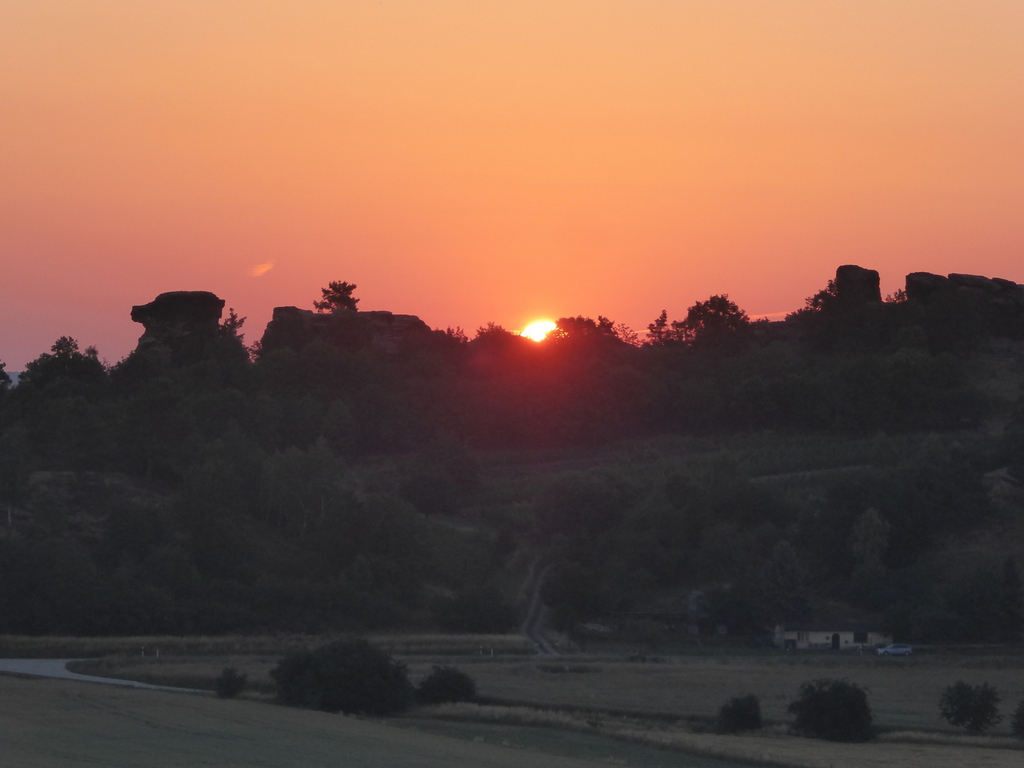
351,330
992,304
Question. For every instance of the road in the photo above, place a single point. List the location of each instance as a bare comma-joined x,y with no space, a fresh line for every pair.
59,668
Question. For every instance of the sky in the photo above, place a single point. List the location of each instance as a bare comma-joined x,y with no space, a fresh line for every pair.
470,161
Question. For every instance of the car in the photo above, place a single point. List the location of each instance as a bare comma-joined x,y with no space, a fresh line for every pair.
896,649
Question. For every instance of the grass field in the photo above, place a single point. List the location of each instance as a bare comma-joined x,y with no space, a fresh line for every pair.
769,746
26,647
903,692
62,724
581,703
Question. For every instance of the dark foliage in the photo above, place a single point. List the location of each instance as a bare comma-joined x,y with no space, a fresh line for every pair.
975,707
482,609
740,713
832,709
209,491
1011,603
229,683
349,676
446,684
337,296
1017,721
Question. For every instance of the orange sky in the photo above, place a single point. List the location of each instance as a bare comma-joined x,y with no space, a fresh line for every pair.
470,161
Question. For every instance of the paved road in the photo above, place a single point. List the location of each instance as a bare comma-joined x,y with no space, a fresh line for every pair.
59,668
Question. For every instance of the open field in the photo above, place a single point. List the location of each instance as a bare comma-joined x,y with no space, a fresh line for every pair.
61,724
28,647
903,692
675,695
771,746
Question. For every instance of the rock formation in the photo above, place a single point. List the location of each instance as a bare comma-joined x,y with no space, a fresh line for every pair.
386,333
955,308
928,288
856,287
179,323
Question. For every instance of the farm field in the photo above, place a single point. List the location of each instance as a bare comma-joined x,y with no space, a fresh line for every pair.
44,647
769,746
673,691
62,724
903,692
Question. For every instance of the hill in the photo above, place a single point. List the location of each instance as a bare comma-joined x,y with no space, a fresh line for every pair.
860,461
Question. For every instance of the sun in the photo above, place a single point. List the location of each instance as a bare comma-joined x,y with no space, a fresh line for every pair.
538,330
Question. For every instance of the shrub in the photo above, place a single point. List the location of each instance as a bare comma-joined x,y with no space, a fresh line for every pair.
976,707
1017,721
349,676
230,683
446,684
740,713
832,709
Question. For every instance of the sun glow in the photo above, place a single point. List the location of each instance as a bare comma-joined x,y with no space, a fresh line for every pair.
538,330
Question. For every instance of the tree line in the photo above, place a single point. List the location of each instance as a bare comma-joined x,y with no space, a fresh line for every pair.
295,487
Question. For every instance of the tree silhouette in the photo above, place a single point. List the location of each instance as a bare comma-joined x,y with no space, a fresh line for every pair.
337,296
1012,599
65,361
824,299
717,322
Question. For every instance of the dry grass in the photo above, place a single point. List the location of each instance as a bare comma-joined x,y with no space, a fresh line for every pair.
452,645
813,753
511,715
663,696
768,747
23,647
64,724
952,739
15,647
903,693
184,671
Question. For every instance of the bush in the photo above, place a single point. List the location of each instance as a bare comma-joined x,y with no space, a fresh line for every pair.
832,709
1017,721
229,684
976,707
349,676
740,713
446,684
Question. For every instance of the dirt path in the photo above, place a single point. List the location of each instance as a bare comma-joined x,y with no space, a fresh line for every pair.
533,624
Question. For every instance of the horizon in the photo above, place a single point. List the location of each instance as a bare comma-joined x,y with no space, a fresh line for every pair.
470,163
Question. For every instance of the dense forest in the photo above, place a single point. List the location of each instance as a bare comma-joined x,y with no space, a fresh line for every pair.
353,470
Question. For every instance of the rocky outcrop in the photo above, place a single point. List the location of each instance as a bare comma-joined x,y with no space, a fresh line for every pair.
857,287
987,304
928,288
924,286
384,332
391,334
179,323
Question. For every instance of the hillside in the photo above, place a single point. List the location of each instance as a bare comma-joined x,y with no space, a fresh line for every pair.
860,461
